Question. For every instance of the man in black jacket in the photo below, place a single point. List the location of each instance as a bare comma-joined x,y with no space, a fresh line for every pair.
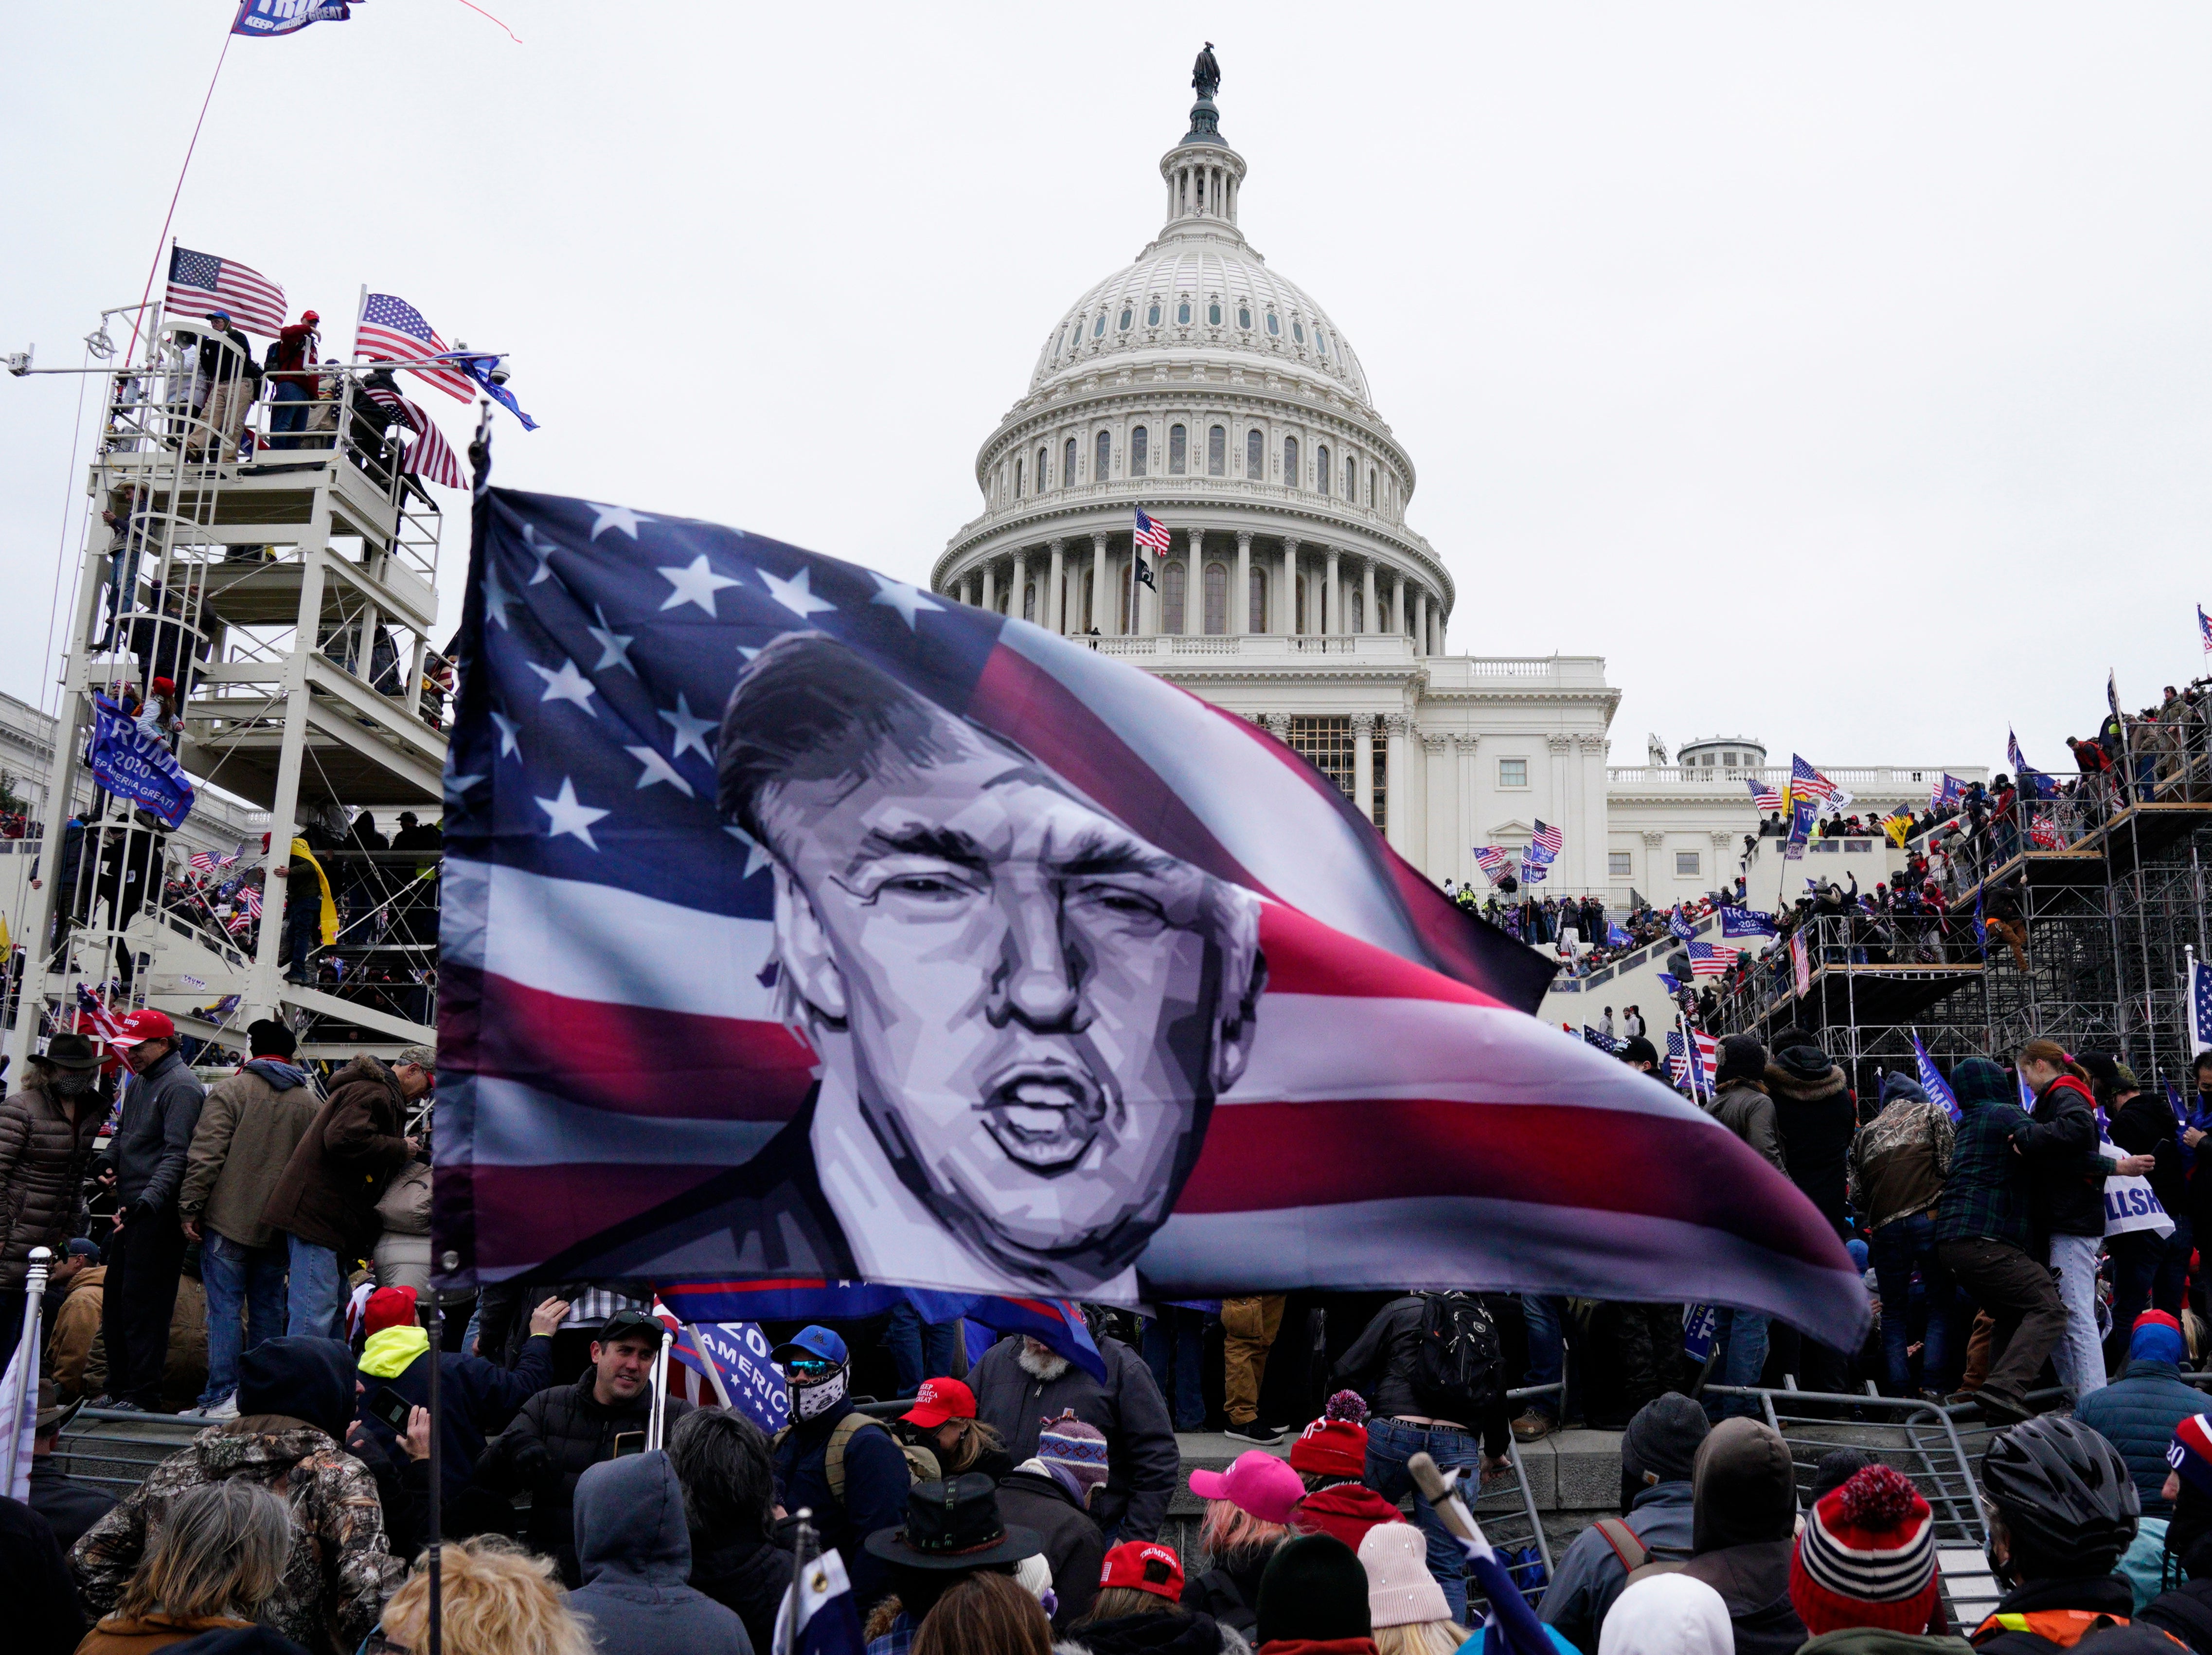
1020,1384
2147,1271
560,1432
147,1252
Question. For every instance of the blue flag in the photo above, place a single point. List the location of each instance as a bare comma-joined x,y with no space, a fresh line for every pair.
266,19
1615,937
1932,1081
1680,927
2200,1005
1054,1322
819,1614
479,366
1747,922
134,765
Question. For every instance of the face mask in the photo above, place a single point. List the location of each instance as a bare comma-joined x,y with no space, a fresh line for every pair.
813,1401
68,1085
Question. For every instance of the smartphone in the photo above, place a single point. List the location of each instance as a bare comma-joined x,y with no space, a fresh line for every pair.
386,1404
628,1442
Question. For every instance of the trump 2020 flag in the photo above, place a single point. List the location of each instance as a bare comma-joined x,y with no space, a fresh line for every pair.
136,764
817,1616
801,925
2200,1005
1932,1081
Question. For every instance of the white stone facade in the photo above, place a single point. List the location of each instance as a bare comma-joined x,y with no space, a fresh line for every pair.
1200,387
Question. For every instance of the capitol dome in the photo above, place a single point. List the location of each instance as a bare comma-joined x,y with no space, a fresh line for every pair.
1199,387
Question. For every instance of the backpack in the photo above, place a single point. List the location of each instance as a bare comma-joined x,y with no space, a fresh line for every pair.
1637,1558
921,1464
1456,1358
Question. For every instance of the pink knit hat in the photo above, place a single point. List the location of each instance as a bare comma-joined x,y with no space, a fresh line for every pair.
1256,1482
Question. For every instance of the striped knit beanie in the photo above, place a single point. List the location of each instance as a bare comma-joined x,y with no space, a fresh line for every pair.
1866,1557
2190,1452
1075,1449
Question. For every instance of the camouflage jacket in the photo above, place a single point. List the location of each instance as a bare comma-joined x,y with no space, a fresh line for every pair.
340,1571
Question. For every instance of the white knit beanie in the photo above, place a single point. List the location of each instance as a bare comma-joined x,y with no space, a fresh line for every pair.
1401,1590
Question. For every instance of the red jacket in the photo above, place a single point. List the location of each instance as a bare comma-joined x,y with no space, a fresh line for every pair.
296,349
1346,1510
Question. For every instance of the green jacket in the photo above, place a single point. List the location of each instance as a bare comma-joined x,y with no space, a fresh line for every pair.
1874,1640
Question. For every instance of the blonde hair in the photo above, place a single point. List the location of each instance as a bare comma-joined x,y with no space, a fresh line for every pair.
976,1439
1229,1533
1420,1638
219,1550
496,1600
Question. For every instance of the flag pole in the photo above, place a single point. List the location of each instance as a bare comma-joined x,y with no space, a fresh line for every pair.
24,1366
169,217
434,1540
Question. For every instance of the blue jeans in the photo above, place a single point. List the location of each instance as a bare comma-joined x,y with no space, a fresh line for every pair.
244,1305
1741,1339
1391,1444
920,1350
288,413
1898,1248
316,1296
1174,1350
303,934
2148,1270
1546,1315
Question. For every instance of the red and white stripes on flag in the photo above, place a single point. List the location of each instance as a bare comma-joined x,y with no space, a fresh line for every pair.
429,457
201,282
1151,533
393,331
690,1372
1551,838
1802,963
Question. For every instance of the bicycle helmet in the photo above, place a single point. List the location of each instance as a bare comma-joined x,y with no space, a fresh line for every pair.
2064,1494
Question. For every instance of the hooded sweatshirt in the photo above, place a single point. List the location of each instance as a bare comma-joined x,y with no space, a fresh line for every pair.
1899,1159
634,1552
1744,1488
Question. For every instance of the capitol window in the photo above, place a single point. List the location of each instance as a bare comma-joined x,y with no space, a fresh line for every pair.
1213,313
1352,480
1290,461
1512,772
1103,463
1178,444
1686,864
1244,316
1616,865
1182,311
1255,459
1370,490
1152,316
1321,340
1044,468
1128,316
1274,325
1140,445
1098,329
1321,467
1258,622
1217,452
1171,596
1217,599
1017,479
1298,332
1067,465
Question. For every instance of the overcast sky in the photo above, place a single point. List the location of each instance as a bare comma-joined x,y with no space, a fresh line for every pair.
1842,374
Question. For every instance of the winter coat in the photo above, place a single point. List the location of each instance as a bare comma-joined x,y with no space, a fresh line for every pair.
115,1636
69,1506
479,1400
1744,1108
2186,1612
1589,1576
327,1193
1144,1466
80,1351
1814,1111
636,1555
1381,1365
1346,1510
45,1145
1153,1634
2097,1594
248,1127
159,1110
1877,1640
1743,1497
1230,1595
339,1571
2144,1125
1898,1159
43,1616
72,1324
554,1438
2137,1414
1073,1546
2066,1175
748,1576
875,1482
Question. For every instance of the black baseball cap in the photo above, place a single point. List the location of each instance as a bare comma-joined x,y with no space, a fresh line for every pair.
627,1325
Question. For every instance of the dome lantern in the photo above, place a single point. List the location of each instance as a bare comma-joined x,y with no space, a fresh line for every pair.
1204,175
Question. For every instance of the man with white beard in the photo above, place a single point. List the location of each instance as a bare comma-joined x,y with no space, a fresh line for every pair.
1020,1384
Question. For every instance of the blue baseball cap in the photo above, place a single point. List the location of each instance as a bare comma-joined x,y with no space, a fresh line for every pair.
814,1340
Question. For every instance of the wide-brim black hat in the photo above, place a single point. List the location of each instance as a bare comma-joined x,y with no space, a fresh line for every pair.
72,1052
955,1525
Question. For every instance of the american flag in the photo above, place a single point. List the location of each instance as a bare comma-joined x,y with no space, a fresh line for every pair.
1550,839
1151,533
1535,866
203,861
2200,1005
2205,627
1600,1039
252,900
95,1016
1494,861
1764,797
393,331
200,282
2043,833
1806,782
610,1089
1712,958
1947,791
1801,962
429,456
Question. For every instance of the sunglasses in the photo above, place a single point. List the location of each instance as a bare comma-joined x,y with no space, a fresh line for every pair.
808,1367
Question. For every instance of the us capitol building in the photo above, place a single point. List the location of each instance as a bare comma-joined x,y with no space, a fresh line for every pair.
1199,384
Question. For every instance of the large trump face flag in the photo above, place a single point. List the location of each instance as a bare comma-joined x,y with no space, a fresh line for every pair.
801,925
